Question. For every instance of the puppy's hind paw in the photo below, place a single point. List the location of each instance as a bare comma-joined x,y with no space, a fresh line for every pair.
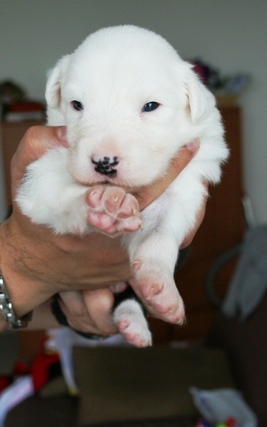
160,293
132,324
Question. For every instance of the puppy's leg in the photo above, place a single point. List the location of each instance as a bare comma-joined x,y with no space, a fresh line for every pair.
48,195
130,318
153,266
154,250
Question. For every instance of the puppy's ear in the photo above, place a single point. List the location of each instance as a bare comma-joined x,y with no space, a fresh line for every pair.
199,97
53,86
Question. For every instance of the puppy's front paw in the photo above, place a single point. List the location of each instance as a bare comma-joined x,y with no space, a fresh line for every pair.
132,323
112,210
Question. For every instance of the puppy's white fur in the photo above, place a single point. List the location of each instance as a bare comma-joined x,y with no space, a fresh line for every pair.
113,74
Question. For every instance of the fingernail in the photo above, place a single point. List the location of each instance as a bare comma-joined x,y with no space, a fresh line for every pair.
193,145
62,134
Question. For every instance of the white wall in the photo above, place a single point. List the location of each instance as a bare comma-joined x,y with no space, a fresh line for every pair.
229,34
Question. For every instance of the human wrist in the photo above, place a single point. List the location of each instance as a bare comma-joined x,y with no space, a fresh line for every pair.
7,310
21,290
18,298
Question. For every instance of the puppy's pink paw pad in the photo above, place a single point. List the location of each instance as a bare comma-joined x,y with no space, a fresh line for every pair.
113,210
100,220
137,341
122,325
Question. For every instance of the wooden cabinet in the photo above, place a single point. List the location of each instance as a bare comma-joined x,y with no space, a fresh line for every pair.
222,228
11,134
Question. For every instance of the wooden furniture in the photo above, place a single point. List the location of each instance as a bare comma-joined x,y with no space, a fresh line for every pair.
11,134
222,228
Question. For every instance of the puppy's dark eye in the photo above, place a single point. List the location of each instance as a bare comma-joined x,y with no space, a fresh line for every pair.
150,106
77,105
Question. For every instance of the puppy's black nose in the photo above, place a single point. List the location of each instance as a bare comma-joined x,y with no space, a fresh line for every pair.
106,166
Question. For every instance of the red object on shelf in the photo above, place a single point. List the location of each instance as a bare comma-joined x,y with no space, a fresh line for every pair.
25,106
230,422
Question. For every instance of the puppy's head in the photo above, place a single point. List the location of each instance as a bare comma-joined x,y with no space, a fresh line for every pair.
129,103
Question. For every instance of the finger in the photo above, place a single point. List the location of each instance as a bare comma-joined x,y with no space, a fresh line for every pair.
73,304
99,304
36,141
176,166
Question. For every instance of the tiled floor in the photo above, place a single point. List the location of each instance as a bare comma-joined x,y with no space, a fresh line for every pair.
8,351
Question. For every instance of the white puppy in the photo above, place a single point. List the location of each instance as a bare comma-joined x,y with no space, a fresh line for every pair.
129,103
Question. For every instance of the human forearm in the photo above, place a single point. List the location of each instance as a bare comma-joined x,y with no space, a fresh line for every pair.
20,281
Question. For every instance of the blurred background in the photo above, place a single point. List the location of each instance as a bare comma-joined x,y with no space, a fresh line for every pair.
228,35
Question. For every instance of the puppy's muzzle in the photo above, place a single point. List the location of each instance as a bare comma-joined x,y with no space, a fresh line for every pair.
106,166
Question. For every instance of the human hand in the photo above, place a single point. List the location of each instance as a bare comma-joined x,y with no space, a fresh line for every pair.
80,314
89,311
146,196
42,264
